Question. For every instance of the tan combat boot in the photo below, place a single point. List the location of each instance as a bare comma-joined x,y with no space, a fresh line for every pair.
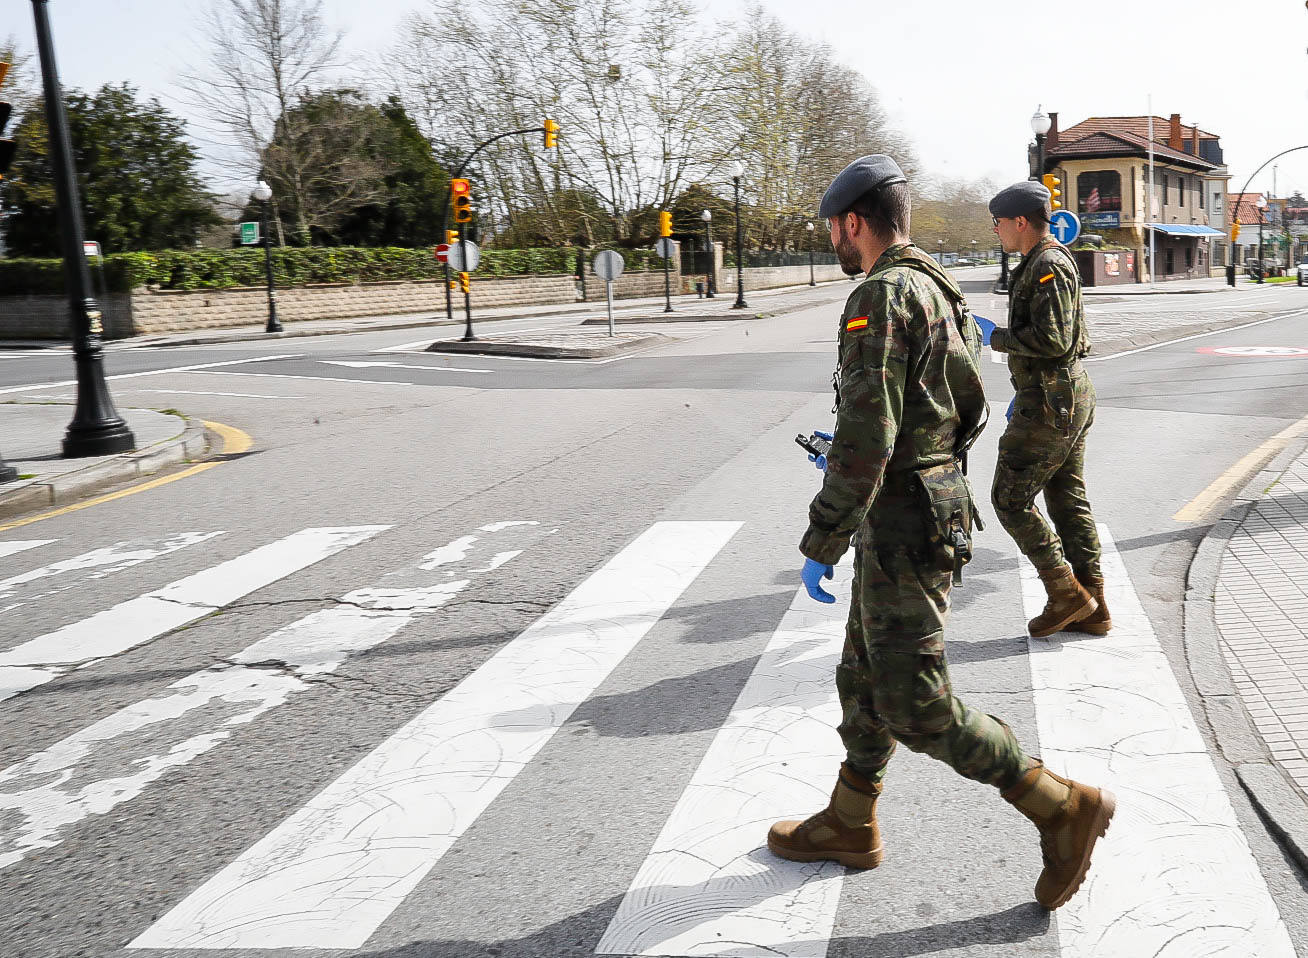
845,831
1071,817
1068,602
1098,622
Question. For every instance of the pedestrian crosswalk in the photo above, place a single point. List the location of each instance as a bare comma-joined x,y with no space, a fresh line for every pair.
342,863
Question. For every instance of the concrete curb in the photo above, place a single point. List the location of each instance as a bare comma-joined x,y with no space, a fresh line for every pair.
733,317
193,443
1273,796
489,347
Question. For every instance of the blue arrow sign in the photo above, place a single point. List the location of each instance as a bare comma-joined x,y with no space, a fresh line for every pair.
1066,226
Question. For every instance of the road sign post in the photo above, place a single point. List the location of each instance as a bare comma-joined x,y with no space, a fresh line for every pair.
666,248
1066,226
608,267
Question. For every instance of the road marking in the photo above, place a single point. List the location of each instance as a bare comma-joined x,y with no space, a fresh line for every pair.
329,875
137,621
1186,339
235,442
22,545
108,560
157,372
1255,352
1174,875
1235,477
325,379
201,392
113,760
358,364
709,887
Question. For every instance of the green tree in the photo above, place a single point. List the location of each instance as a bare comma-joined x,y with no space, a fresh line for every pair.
135,169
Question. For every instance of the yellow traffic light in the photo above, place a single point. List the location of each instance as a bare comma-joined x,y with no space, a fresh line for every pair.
665,223
1053,184
551,134
461,191
465,282
1235,231
451,237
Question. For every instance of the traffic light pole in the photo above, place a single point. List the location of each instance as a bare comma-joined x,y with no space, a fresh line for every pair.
1235,216
96,428
468,336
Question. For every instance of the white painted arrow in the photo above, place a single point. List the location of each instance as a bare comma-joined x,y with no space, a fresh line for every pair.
362,364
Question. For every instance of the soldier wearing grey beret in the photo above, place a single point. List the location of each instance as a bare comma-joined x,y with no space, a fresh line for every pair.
1028,198
865,174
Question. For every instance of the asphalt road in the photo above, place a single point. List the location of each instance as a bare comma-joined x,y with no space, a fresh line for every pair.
432,732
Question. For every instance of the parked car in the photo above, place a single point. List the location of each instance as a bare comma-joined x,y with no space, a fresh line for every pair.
1303,273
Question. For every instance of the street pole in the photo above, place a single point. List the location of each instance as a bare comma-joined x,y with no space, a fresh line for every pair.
274,325
96,428
667,277
740,253
812,281
468,336
712,260
1260,245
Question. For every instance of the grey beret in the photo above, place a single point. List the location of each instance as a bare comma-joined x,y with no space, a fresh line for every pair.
863,175
1021,199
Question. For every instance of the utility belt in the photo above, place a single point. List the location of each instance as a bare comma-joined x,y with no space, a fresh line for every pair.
949,509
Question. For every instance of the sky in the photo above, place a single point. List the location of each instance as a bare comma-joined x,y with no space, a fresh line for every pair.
961,78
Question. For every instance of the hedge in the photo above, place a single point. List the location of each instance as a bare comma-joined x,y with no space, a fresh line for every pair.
292,266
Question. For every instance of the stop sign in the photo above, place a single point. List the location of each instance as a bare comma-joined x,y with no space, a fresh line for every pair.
443,252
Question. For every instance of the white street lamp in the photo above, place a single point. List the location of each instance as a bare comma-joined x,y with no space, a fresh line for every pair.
809,227
711,262
1040,122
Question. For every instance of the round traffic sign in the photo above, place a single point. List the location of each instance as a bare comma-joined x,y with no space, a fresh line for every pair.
458,257
607,265
665,247
443,252
1066,226
1261,352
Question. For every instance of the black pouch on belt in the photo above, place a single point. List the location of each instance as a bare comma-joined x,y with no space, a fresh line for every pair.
948,498
1060,397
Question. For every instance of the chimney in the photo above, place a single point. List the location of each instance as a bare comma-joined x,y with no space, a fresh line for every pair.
1194,143
1174,134
1051,140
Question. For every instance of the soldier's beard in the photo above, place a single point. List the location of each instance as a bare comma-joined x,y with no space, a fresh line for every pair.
851,260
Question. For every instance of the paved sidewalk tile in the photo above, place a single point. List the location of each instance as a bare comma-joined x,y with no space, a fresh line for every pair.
1262,614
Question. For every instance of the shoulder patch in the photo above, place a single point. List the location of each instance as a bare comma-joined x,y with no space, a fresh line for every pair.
1046,278
858,322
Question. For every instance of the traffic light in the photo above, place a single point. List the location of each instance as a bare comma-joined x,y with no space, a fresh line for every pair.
465,282
1052,184
551,134
7,146
451,237
1235,231
461,192
665,223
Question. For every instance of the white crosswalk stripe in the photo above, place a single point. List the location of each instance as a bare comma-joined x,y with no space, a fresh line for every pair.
1174,874
331,874
111,762
21,545
137,621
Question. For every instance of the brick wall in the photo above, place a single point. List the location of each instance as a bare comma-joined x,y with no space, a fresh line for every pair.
47,317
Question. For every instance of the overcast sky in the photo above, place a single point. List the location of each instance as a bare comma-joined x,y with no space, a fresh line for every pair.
959,77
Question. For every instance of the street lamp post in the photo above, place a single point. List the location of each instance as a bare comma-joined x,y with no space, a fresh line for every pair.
973,252
740,242
96,428
940,252
712,263
1040,124
811,280
261,194
1261,203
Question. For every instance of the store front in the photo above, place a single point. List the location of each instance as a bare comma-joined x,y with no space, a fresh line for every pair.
1183,250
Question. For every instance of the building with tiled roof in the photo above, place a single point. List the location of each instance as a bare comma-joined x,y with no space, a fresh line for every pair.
1104,165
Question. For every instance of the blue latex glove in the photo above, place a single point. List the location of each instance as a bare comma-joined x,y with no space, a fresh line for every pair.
821,461
813,573
1011,404
987,328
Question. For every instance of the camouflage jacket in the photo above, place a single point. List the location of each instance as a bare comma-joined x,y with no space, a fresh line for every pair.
910,393
1046,319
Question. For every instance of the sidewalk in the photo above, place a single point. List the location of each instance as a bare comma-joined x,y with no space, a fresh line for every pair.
33,436
1246,637
1213,284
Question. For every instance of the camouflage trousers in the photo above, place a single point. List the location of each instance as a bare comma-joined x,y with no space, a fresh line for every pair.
893,679
1036,455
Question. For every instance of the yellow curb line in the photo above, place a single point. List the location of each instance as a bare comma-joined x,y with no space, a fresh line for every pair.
234,442
1237,475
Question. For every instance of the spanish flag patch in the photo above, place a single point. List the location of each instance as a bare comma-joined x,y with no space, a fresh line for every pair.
1045,279
858,322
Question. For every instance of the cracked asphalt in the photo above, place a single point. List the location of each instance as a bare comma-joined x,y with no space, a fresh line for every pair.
699,430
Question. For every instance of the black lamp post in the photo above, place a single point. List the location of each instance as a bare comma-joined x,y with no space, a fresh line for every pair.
96,428
707,217
740,243
1261,203
262,193
811,280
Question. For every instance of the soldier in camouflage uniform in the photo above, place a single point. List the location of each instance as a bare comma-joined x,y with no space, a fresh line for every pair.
909,402
1043,448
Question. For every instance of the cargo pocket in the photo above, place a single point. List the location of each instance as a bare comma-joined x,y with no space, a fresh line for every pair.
948,501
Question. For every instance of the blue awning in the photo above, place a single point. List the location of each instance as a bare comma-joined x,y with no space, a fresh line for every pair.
1184,229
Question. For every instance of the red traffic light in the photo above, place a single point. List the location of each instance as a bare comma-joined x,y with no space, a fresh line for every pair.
460,187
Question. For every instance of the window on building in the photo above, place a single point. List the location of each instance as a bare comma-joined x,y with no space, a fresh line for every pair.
1201,197
1217,202
1189,257
1165,179
1099,192
1180,191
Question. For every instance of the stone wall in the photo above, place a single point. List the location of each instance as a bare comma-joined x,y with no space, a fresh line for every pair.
47,317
